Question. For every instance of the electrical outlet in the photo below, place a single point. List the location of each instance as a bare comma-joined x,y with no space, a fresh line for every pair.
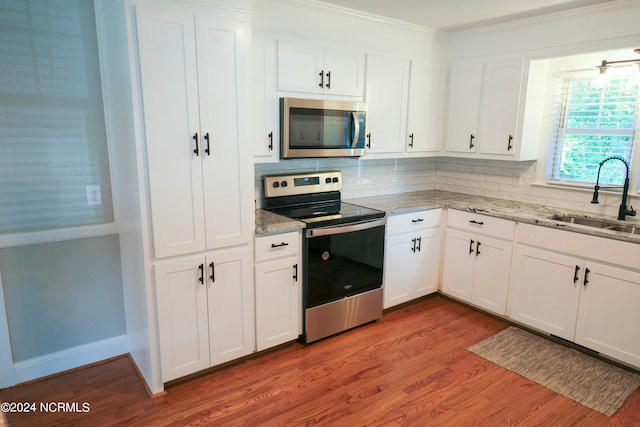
94,196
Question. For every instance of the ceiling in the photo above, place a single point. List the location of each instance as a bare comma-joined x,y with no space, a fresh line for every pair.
457,15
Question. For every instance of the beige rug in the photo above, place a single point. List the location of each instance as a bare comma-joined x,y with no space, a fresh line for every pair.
587,380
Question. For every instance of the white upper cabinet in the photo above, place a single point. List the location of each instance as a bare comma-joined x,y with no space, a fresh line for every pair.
264,106
499,111
465,88
312,68
386,98
427,97
405,107
200,180
486,109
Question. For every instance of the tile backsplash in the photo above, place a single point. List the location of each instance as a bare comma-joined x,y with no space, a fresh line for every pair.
360,178
517,181
491,178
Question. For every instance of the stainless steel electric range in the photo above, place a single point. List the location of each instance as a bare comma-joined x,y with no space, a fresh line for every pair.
343,251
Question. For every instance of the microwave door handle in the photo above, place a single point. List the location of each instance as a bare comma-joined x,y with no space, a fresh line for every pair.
356,129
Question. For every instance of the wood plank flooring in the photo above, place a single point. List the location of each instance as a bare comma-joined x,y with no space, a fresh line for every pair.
411,368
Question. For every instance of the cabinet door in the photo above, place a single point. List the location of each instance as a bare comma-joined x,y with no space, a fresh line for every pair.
459,260
166,42
427,92
428,247
386,97
223,49
609,318
278,302
182,317
545,290
465,86
264,104
299,67
230,300
491,274
402,269
347,72
500,106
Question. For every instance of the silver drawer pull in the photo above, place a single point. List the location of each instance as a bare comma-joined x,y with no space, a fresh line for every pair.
279,245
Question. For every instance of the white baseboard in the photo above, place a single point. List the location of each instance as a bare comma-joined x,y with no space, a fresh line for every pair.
64,360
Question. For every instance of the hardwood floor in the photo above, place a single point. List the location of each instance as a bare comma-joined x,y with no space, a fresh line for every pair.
411,368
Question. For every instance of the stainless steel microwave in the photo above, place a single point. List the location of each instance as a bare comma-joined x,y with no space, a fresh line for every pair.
320,128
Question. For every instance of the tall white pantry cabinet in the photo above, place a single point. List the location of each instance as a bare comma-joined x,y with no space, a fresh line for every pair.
185,200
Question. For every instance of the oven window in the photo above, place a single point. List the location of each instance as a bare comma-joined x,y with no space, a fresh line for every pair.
341,265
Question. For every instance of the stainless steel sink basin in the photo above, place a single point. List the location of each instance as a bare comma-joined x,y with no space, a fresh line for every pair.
598,223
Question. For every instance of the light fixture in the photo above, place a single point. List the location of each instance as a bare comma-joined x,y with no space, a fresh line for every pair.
605,65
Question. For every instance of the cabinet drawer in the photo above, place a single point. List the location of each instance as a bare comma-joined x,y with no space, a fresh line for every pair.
419,220
277,246
482,224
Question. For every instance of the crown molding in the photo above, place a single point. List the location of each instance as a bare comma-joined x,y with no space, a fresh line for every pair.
328,7
561,16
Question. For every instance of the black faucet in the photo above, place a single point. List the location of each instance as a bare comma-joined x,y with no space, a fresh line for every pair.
623,211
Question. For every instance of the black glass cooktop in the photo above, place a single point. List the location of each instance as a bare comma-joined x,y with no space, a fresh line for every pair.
325,214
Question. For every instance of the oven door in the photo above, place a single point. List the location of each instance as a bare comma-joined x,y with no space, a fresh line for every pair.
342,261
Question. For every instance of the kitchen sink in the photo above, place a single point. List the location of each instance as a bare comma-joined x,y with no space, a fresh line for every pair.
598,223
631,229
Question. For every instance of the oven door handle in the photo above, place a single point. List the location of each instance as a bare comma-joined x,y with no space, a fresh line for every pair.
344,228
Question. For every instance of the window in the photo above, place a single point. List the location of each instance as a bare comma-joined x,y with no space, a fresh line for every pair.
593,120
52,133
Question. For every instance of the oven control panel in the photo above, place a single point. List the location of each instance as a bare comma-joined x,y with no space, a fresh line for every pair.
302,183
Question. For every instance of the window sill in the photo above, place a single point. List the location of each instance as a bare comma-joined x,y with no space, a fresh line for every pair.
586,188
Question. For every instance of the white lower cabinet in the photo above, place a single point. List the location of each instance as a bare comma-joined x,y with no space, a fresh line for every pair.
609,314
477,259
545,290
205,310
278,283
560,288
412,256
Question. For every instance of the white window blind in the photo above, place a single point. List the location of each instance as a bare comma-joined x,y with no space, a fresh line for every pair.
52,133
593,120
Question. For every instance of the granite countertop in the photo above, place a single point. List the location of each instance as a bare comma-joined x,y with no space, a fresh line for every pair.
270,223
396,204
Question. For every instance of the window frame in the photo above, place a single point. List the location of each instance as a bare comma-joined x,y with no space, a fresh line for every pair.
553,160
